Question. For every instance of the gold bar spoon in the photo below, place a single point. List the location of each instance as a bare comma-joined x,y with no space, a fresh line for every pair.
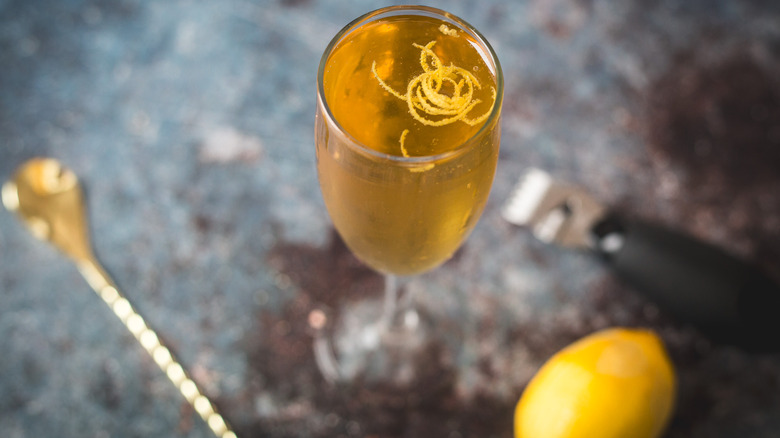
48,198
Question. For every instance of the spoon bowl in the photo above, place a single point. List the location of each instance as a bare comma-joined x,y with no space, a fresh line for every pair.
47,197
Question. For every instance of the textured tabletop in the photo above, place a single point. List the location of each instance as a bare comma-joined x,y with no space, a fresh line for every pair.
190,125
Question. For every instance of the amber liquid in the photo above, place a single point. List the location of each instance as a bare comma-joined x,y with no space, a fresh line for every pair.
402,215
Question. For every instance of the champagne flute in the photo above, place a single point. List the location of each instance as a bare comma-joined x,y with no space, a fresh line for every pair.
407,138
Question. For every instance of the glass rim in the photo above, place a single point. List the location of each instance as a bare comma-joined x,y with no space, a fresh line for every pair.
419,10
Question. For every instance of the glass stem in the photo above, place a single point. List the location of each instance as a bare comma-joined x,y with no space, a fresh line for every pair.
397,304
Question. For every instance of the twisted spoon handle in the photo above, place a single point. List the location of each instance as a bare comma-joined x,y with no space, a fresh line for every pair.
101,283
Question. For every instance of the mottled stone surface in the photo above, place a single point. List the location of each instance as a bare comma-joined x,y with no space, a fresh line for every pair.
191,127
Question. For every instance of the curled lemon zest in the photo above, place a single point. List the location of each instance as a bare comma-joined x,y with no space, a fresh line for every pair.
401,141
424,95
447,31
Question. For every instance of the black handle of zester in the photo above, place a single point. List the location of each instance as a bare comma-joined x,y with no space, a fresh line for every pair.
728,298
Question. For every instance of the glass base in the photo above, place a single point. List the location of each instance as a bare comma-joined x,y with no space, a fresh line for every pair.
373,341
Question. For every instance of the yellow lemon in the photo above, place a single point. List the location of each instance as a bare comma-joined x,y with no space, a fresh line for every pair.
616,383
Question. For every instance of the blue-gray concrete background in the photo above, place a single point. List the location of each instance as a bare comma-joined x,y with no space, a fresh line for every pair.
190,125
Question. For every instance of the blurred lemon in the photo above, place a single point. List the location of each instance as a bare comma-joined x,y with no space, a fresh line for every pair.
616,383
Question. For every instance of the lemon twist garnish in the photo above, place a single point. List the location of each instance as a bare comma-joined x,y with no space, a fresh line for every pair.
447,31
401,141
424,94
405,153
